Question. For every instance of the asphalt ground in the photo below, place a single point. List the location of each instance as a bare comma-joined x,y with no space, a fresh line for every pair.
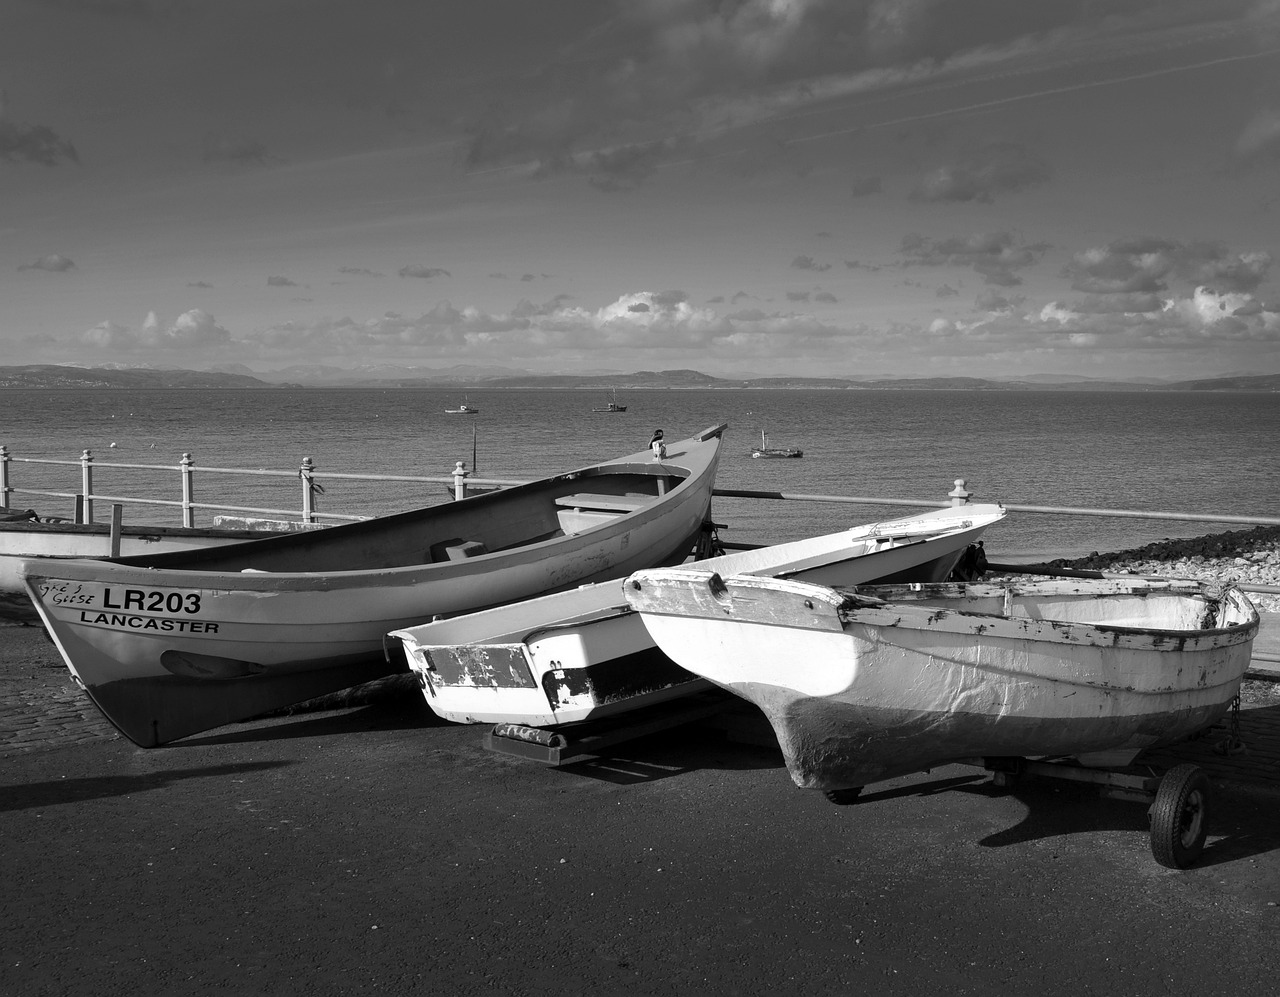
377,849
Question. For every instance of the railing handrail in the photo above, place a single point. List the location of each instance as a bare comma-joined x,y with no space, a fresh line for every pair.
461,479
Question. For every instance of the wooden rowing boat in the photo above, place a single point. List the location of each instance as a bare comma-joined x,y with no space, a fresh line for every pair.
584,654
867,684
174,644
35,537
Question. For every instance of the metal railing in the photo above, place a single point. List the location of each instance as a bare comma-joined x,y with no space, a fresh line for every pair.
461,481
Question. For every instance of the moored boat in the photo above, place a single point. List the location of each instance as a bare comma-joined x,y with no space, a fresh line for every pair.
466,408
765,451
869,683
171,645
611,406
584,654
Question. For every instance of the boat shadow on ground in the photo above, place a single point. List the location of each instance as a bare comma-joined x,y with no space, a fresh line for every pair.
54,792
1241,824
671,753
405,713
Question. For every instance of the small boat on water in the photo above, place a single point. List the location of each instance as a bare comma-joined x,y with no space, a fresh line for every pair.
173,644
24,534
768,452
870,683
466,408
585,654
611,405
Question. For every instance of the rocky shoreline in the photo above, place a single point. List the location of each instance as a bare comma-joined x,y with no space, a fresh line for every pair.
1246,557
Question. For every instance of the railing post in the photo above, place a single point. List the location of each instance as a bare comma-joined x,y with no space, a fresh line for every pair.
86,484
460,473
307,474
5,487
188,467
959,495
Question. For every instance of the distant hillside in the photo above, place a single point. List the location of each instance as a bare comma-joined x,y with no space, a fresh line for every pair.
389,376
57,376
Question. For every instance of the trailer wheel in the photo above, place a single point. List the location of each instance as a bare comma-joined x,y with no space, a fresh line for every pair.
1179,816
843,797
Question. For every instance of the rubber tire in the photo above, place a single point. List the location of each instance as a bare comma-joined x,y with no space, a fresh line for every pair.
843,797
1180,816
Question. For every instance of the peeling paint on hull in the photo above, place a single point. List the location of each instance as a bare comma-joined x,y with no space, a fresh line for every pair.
868,684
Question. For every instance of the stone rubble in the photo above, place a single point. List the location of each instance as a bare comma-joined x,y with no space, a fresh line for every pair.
1246,557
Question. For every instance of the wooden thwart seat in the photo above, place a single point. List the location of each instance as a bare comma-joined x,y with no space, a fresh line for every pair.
604,503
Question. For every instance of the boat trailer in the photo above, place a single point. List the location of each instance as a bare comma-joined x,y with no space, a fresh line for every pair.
1178,800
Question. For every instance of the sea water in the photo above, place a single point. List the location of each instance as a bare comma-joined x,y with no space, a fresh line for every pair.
1207,453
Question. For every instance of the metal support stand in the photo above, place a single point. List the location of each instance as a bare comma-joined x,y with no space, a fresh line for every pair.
560,745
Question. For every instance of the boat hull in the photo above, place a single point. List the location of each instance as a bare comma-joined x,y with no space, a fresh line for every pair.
80,540
168,650
859,692
585,655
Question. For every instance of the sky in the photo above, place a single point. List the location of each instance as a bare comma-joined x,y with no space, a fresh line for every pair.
749,188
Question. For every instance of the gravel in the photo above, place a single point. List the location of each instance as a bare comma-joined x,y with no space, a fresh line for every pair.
1247,557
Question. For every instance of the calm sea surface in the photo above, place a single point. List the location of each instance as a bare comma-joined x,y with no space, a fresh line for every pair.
1165,451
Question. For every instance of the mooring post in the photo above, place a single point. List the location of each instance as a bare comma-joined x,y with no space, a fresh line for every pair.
308,475
959,495
5,488
86,485
188,468
460,473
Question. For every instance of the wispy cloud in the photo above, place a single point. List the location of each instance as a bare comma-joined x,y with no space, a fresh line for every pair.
423,272
54,263
34,144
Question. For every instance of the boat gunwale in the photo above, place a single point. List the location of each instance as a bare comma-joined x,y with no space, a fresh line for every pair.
157,572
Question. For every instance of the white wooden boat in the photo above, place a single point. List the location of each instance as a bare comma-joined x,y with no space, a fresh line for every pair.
466,408
867,684
23,538
584,654
170,645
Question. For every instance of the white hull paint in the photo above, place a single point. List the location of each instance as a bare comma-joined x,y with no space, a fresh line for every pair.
170,649
868,684
38,539
584,654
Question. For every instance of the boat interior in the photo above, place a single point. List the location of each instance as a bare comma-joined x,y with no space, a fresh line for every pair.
1150,605
452,531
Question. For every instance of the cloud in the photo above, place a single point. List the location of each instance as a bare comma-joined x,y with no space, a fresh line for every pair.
1000,168
995,255
54,263
426,273
199,283
33,144
992,301
359,271
633,328
1147,265
809,263
280,282
946,291
1205,320
192,331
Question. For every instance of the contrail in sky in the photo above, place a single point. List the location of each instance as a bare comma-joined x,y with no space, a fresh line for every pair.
983,105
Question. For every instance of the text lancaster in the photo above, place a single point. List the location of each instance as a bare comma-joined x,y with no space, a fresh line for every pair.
124,621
